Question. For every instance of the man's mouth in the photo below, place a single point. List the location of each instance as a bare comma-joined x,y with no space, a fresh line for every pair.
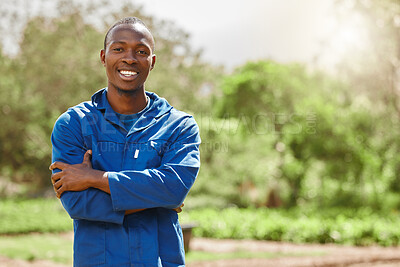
127,73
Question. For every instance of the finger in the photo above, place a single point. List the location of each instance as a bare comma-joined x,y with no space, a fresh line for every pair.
178,209
55,177
57,184
58,165
55,190
59,191
87,158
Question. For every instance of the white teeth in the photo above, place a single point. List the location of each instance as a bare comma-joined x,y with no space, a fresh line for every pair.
127,72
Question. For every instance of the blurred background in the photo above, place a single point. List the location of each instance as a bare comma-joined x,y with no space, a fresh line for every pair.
297,101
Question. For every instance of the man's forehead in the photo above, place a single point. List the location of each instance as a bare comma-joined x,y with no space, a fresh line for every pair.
134,28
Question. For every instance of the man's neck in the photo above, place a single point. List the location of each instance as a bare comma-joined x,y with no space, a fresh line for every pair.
126,102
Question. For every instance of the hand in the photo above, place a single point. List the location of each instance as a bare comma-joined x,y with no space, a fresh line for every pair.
76,177
179,209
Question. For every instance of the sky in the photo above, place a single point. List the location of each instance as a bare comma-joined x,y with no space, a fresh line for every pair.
232,32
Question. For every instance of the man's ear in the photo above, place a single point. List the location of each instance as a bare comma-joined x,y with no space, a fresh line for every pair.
153,61
103,57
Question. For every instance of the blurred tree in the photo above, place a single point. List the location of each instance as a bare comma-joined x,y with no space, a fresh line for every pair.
375,72
263,96
60,60
325,139
24,145
259,88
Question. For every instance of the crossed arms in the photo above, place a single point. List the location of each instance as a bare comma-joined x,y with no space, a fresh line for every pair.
79,177
96,195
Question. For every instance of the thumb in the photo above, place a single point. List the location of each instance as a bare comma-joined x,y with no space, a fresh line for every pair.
87,158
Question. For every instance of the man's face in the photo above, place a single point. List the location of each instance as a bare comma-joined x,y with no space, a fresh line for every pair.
128,57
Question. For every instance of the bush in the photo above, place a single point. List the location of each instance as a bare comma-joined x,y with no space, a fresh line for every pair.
353,227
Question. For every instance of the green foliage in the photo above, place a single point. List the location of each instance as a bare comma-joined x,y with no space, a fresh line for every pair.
262,87
24,145
33,215
353,227
64,53
233,165
325,144
313,225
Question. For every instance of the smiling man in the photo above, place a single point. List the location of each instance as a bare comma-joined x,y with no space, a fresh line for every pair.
124,162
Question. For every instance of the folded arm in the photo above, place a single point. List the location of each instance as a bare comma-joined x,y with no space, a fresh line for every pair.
79,177
68,148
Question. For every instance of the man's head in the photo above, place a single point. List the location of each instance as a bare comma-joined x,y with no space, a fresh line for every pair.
126,21
128,55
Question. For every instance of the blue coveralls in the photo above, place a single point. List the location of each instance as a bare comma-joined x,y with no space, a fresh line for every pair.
152,166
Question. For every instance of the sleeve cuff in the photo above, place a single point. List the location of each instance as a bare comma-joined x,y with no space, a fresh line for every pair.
112,183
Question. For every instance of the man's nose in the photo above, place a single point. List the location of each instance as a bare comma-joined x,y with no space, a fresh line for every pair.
129,57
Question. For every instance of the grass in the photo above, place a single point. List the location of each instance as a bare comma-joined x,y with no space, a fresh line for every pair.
52,247
44,215
341,226
58,248
352,227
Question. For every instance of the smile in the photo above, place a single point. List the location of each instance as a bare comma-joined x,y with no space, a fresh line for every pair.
127,73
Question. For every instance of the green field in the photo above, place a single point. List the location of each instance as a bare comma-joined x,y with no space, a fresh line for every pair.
32,229
58,248
351,226
45,246
42,215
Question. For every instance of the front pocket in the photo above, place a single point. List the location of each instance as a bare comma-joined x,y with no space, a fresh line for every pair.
143,237
89,243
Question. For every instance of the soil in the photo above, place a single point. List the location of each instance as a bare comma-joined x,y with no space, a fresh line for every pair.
301,255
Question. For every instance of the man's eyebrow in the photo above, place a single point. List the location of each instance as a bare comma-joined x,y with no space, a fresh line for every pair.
144,45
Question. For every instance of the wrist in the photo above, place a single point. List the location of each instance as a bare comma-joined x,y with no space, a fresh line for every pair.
96,178
100,181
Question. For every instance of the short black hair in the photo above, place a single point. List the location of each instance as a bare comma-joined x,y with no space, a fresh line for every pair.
127,21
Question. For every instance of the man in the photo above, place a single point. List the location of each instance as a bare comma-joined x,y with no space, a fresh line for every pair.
124,161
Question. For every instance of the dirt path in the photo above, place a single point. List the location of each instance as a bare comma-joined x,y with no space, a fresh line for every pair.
312,255
309,255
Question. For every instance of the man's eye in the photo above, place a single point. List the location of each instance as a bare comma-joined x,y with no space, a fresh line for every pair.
142,52
117,49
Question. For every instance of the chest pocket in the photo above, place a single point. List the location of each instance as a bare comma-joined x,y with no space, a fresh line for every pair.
145,155
107,153
107,156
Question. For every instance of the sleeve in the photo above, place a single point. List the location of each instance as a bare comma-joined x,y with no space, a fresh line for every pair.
165,186
68,147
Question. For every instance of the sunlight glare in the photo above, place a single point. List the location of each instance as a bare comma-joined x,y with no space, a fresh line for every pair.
347,37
